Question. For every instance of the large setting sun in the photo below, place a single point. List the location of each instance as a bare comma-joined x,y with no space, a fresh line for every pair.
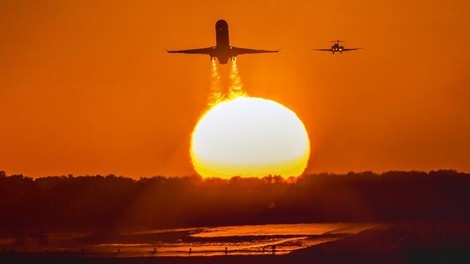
249,137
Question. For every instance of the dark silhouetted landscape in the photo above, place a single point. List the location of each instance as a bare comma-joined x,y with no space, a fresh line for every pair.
70,203
417,213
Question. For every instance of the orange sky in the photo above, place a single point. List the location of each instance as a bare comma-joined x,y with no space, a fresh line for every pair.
86,87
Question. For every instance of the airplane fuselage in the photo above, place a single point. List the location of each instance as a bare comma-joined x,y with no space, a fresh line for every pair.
222,50
337,48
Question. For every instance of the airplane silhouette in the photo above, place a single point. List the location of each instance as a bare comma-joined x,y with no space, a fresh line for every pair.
222,50
337,47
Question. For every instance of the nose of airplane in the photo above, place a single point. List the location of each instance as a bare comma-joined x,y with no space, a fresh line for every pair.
221,23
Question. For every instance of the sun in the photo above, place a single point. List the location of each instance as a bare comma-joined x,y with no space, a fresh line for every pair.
249,137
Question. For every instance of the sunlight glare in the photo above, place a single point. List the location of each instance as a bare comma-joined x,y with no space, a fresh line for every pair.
250,137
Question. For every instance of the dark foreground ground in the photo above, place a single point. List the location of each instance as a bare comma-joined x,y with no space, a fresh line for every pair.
389,243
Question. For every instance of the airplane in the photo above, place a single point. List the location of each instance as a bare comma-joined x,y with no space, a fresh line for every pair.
222,50
337,47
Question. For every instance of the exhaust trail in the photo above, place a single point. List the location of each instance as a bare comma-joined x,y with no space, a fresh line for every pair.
236,86
218,91
216,96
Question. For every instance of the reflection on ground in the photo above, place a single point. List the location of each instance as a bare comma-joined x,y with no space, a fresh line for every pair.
199,241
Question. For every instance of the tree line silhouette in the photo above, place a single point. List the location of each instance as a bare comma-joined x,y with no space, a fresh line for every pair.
100,203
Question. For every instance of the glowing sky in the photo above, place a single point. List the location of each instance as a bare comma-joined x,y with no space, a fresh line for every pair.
86,87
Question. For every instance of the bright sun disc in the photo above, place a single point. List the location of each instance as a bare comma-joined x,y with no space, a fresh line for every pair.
249,137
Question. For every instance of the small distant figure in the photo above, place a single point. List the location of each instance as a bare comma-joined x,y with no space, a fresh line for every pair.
273,247
337,47
154,251
190,250
226,250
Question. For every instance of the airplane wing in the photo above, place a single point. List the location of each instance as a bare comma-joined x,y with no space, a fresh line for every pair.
239,51
351,49
207,51
323,50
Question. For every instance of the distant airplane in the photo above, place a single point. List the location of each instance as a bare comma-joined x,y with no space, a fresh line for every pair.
337,47
222,50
